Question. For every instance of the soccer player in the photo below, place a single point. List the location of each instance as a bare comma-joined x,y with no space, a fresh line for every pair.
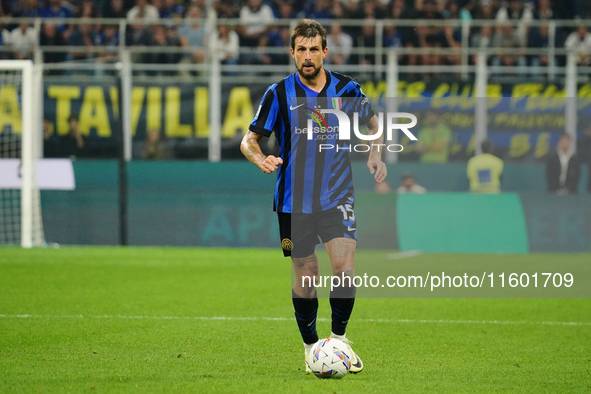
314,190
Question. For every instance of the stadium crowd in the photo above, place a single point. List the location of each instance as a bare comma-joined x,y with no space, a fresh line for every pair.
253,30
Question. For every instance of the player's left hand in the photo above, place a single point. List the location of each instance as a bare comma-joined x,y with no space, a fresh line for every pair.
377,168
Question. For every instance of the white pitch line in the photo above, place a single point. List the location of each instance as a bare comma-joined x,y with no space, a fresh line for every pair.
403,255
263,318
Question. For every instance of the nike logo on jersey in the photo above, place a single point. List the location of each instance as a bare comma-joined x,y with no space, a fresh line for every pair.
291,108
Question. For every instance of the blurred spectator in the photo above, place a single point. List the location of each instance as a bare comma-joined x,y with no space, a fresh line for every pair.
366,43
451,10
370,9
351,6
225,44
143,11
50,140
108,38
319,9
408,35
467,10
543,10
484,10
507,39
340,44
203,4
563,168
392,37
484,171
579,43
584,149
516,11
171,10
227,8
4,42
339,11
567,9
482,39
83,35
72,144
449,41
139,34
409,185
51,36
255,17
22,40
55,9
154,149
192,35
161,39
277,38
25,9
433,139
398,10
430,35
539,39
86,10
114,9
285,10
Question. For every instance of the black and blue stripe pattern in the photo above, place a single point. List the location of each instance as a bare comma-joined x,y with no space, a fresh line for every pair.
310,180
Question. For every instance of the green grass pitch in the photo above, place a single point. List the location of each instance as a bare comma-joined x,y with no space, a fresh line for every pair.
192,320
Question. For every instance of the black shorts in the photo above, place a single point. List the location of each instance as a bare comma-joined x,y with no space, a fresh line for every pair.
300,232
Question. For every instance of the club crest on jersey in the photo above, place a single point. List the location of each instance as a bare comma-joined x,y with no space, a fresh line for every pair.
317,117
286,244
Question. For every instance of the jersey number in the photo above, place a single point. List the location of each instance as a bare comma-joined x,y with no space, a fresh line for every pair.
347,210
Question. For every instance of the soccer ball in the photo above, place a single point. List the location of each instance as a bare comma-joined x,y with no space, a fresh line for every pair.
329,358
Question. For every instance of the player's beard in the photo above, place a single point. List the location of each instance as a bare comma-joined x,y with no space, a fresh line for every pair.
311,75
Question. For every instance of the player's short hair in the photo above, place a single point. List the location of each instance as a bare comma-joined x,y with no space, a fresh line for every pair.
487,146
308,28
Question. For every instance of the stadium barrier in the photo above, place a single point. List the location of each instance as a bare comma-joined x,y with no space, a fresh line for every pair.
229,204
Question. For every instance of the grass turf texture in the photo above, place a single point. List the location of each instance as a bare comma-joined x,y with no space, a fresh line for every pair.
158,336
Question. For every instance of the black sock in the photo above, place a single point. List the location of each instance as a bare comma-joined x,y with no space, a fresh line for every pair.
306,310
342,300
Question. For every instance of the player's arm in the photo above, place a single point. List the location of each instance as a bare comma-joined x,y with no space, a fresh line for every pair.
375,164
251,149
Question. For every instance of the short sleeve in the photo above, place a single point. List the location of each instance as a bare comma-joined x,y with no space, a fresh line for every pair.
267,114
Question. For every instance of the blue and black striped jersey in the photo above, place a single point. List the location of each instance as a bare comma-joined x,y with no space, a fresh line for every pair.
316,172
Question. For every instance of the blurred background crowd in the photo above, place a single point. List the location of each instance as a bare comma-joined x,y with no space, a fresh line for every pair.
253,26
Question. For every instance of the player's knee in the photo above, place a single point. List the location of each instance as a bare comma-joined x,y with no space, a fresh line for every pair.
343,270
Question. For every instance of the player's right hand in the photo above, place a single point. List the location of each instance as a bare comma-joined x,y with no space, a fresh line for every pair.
271,164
